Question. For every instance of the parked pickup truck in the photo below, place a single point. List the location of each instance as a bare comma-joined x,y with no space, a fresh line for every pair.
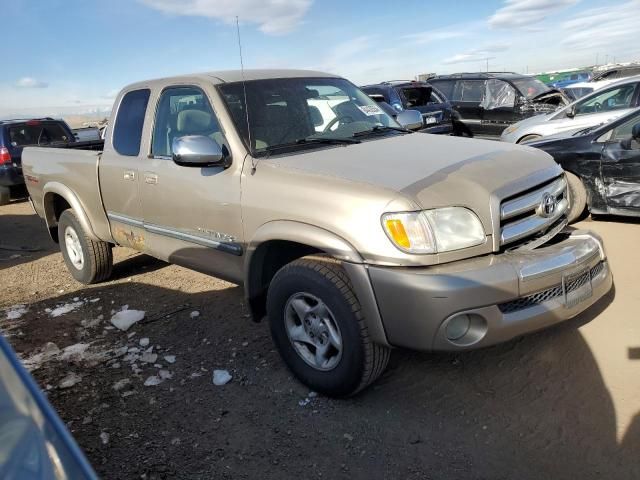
350,233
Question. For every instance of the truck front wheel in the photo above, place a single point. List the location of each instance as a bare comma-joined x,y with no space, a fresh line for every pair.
88,261
318,327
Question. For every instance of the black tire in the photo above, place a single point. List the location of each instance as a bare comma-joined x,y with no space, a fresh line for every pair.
97,257
5,195
362,361
526,138
577,197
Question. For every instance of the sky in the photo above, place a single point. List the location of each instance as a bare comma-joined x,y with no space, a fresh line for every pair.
72,56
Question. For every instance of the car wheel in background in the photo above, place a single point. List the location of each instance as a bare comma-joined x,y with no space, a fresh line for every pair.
88,261
5,195
318,327
577,197
528,138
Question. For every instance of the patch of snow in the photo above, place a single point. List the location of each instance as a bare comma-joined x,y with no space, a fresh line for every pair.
94,300
170,358
304,403
144,342
221,377
120,384
65,308
104,436
15,312
165,374
76,299
70,380
74,352
125,318
194,314
149,357
152,381
312,394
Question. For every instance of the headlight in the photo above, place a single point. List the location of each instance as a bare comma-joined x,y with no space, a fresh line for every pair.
433,231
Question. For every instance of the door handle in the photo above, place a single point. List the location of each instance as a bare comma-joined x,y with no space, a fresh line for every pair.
129,175
151,178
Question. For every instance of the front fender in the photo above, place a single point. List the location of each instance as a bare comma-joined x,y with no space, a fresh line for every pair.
50,190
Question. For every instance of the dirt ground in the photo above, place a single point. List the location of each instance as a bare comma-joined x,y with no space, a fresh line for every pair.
562,404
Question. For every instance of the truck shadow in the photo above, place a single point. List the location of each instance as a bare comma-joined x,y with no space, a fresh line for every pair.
23,239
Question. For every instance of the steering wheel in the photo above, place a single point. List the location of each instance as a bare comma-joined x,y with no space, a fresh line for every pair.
597,106
347,118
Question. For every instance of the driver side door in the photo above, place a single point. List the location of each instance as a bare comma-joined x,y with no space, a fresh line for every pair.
621,170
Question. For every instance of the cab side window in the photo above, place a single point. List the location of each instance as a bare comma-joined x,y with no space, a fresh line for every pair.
182,111
612,99
127,132
623,132
471,91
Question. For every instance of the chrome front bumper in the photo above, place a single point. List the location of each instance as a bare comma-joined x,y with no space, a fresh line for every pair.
504,295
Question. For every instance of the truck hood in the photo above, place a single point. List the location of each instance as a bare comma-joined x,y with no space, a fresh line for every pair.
432,171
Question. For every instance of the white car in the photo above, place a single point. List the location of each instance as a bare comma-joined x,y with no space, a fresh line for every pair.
601,106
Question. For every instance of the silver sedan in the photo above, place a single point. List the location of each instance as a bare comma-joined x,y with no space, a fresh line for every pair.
596,108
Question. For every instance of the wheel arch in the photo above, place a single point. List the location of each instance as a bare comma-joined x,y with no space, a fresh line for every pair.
56,199
277,243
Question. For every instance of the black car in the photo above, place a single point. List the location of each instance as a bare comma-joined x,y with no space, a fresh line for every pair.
487,103
437,114
602,165
17,134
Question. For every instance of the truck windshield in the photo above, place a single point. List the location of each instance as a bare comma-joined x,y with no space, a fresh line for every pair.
302,112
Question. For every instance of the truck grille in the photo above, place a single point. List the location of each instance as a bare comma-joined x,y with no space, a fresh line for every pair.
550,293
534,217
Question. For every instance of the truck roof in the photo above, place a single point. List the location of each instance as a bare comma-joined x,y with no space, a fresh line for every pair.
230,76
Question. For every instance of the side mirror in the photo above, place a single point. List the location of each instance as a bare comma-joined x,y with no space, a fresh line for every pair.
635,132
198,151
571,111
627,143
410,119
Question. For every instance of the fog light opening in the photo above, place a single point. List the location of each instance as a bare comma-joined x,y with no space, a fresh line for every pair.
458,327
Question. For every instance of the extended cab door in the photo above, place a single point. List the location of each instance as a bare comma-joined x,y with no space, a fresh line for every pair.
191,214
119,169
621,169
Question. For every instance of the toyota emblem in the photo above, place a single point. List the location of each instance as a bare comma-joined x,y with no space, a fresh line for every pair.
547,205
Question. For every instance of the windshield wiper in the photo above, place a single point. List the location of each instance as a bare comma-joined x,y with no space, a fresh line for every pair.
381,128
310,141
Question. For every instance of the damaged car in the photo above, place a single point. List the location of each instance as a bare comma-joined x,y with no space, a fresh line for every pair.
602,165
487,103
596,108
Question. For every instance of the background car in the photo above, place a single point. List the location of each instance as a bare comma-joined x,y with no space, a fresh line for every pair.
615,72
437,113
17,134
487,103
570,79
602,165
599,107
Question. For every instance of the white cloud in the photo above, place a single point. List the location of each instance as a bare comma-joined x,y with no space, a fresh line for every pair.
273,16
30,82
614,26
520,13
477,54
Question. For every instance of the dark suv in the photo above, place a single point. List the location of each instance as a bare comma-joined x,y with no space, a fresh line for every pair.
17,134
437,114
487,103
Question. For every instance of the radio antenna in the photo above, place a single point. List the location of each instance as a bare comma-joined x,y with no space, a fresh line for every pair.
244,89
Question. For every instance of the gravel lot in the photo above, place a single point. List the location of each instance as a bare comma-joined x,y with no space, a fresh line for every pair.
563,403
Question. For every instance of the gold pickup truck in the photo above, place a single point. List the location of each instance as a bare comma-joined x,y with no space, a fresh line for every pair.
352,234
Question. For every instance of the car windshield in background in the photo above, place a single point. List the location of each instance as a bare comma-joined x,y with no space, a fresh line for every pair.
530,87
37,133
303,113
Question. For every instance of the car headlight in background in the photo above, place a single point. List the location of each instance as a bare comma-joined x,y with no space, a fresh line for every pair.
434,231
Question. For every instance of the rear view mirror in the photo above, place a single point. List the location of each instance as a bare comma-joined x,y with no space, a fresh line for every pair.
635,132
571,111
198,151
410,119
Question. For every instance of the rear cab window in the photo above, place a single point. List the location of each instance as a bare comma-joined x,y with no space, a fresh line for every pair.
38,133
127,132
444,86
418,97
471,91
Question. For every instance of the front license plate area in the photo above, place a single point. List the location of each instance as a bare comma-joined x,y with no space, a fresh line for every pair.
576,288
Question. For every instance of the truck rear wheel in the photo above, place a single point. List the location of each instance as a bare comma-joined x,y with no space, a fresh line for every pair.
577,197
5,195
88,261
318,327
